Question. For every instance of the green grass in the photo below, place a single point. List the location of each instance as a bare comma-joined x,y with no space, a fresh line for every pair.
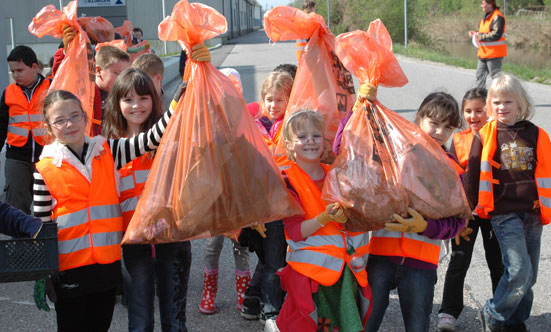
523,72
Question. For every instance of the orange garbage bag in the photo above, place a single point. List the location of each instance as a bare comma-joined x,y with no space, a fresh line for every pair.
212,172
118,43
76,72
136,50
386,162
321,83
98,28
125,31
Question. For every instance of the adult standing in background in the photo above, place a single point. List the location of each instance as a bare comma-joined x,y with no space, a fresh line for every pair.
308,6
491,39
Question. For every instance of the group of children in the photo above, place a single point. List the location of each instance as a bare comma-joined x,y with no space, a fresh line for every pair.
334,279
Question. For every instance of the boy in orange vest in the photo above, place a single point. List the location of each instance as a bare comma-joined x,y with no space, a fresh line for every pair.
22,122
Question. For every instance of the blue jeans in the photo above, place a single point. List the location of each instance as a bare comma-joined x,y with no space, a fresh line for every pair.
519,236
415,291
265,284
170,267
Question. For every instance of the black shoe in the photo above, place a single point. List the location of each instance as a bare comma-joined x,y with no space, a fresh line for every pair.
487,326
250,309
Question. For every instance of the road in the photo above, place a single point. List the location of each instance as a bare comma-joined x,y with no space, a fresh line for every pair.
254,58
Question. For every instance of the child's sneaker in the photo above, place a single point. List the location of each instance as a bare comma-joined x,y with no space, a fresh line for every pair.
250,308
271,325
446,322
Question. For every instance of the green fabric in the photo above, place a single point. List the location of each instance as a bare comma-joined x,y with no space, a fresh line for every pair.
40,295
338,305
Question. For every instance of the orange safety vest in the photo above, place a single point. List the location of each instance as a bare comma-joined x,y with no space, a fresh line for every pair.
321,256
133,177
301,44
87,213
462,142
26,116
491,49
488,135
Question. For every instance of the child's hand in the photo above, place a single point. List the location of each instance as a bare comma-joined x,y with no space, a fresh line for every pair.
199,52
67,35
261,229
415,224
366,91
333,212
463,234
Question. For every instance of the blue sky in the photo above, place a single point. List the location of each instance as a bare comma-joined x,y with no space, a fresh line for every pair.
273,3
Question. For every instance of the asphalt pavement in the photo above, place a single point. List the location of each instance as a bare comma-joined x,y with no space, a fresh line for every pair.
254,57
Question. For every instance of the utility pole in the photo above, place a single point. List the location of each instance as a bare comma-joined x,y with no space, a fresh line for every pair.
328,13
405,23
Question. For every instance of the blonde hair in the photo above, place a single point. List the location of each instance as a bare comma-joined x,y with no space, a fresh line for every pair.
108,55
508,84
276,81
297,121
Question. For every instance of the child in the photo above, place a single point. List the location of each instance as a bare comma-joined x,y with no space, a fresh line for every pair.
507,181
155,68
21,122
132,108
475,115
409,268
325,278
110,62
213,247
265,284
75,186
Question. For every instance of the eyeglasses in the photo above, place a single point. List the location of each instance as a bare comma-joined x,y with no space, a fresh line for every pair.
304,140
60,123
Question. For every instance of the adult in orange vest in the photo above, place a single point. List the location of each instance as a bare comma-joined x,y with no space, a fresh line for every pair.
508,181
308,6
322,255
76,187
491,42
22,123
474,112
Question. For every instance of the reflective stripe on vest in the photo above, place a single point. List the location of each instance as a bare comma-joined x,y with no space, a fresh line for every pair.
491,49
25,116
411,245
133,177
322,255
88,213
488,135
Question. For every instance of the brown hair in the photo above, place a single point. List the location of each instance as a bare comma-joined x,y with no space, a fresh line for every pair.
440,106
60,95
297,121
115,125
309,6
108,55
276,81
150,63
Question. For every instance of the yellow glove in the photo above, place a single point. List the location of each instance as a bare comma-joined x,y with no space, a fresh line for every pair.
68,33
366,91
333,212
199,52
261,229
415,224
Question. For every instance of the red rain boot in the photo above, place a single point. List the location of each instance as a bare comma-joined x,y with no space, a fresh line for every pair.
242,279
210,287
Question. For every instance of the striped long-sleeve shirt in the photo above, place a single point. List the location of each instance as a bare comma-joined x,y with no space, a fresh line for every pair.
124,150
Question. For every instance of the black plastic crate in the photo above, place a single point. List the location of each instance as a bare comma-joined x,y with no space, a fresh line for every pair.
29,259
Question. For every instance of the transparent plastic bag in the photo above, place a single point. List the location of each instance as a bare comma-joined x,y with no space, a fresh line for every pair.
321,83
125,31
76,72
213,173
386,162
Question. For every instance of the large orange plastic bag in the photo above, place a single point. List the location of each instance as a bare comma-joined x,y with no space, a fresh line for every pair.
386,162
321,83
76,72
125,31
97,28
213,172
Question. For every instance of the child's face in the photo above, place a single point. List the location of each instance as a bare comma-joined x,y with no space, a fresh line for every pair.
105,77
136,109
475,114
307,144
23,74
275,104
440,131
505,107
66,123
